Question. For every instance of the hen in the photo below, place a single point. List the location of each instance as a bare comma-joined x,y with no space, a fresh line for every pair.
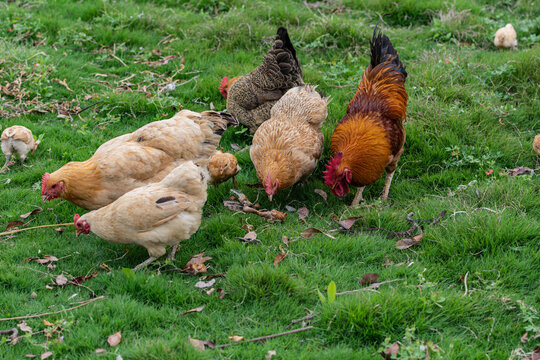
506,38
17,140
153,216
222,167
286,148
144,156
253,95
370,138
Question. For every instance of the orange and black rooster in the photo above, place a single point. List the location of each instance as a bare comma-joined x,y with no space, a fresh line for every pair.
370,138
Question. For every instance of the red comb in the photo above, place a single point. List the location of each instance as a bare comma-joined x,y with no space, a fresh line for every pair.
44,180
76,218
222,87
331,167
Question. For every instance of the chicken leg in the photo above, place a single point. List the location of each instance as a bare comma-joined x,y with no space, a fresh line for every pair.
358,197
144,263
172,254
389,176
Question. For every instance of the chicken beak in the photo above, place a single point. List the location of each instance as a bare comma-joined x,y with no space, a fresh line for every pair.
77,232
45,197
270,197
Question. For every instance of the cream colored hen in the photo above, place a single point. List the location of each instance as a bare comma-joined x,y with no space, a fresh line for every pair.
153,216
506,38
17,140
132,160
286,147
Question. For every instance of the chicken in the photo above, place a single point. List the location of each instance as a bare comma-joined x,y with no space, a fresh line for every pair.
506,38
536,144
370,137
144,156
286,148
152,216
222,167
19,140
253,95
226,85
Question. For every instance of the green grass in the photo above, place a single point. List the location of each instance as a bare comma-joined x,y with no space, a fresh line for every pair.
471,108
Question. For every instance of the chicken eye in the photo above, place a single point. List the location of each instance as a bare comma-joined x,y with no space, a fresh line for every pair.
53,186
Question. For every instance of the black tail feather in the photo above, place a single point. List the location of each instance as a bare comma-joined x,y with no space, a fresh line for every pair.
382,50
283,35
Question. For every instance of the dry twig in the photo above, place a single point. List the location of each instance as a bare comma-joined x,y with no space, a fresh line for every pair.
34,227
267,337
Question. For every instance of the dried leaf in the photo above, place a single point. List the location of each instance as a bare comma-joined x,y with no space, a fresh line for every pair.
13,224
59,229
285,240
47,323
208,292
519,171
100,351
63,83
348,223
523,339
197,309
290,208
80,279
33,295
222,293
61,280
196,264
202,284
392,350
407,243
237,338
252,235
33,212
323,194
24,327
279,258
303,213
308,233
46,354
115,339
233,205
202,344
369,278
269,354
248,227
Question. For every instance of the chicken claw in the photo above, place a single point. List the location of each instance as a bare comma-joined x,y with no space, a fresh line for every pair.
172,254
144,263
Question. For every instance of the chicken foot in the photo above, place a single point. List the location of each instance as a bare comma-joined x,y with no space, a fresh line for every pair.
144,263
358,197
389,176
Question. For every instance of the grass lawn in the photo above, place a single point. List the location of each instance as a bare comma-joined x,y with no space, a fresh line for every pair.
469,290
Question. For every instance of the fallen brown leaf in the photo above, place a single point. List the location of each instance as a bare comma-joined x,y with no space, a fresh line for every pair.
100,351
323,194
523,339
535,354
279,258
12,224
47,323
196,264
61,280
519,171
285,240
237,338
202,344
33,212
308,233
348,223
369,278
250,237
248,227
392,350
407,243
197,309
303,213
46,354
203,284
222,293
24,327
80,279
115,339
63,83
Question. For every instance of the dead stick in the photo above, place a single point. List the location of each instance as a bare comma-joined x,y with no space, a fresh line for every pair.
465,282
53,313
305,318
372,287
268,337
34,227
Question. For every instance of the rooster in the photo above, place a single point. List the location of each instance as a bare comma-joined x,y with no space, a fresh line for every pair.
19,140
370,137
226,85
286,148
144,156
252,96
152,216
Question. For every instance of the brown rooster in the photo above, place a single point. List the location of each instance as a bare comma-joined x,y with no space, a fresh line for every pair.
252,96
370,138
136,159
287,147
